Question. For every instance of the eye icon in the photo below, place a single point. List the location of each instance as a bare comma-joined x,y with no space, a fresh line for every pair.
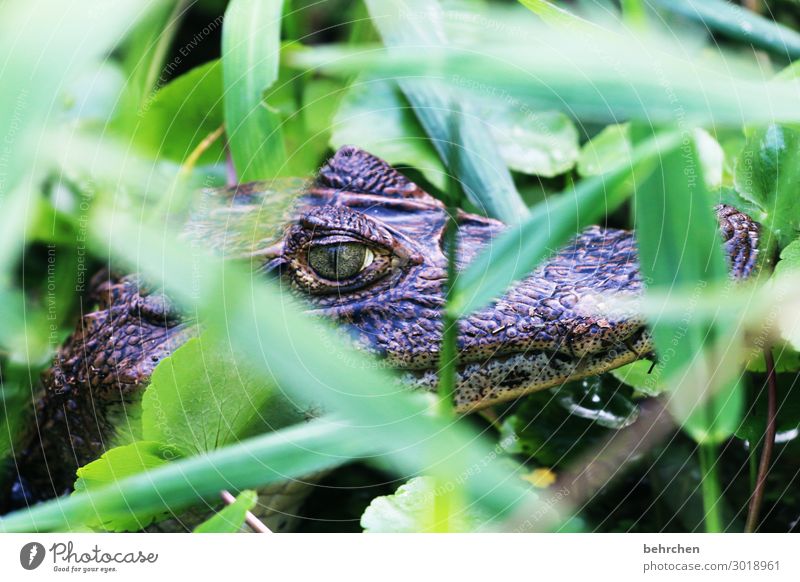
31,555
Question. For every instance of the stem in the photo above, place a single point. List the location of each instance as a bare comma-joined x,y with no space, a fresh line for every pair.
255,524
710,487
757,498
175,202
448,354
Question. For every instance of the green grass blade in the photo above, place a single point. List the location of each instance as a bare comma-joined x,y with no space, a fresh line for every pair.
550,70
739,24
263,459
250,61
680,249
143,54
483,173
515,253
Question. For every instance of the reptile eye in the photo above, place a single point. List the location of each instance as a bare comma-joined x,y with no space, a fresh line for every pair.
339,261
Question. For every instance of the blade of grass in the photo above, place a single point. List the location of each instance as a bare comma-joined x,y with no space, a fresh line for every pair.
145,51
294,451
739,24
250,61
556,15
482,172
594,77
680,248
515,253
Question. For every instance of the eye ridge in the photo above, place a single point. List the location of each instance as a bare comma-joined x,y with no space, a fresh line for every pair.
341,260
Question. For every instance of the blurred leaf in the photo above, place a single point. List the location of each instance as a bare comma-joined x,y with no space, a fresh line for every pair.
786,359
411,510
716,418
294,451
738,23
200,398
114,466
754,424
638,375
555,15
483,174
376,116
714,89
230,518
787,267
250,61
515,253
605,149
540,143
92,95
672,208
144,51
711,157
182,114
767,172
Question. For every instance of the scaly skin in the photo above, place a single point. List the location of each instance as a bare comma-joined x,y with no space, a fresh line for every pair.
544,331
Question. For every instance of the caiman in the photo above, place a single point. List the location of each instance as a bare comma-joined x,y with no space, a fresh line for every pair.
364,246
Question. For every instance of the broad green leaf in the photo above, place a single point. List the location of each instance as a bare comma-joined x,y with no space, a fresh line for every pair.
478,165
411,509
788,267
230,518
767,173
788,406
117,464
515,253
539,143
201,398
177,118
250,61
376,116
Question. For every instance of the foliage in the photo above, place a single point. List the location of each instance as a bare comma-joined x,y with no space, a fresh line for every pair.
110,135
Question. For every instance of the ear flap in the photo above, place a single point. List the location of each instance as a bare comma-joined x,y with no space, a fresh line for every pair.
355,170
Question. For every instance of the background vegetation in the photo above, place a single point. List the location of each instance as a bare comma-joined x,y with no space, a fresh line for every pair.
639,114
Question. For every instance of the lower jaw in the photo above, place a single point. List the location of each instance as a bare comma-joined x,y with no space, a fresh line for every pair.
480,385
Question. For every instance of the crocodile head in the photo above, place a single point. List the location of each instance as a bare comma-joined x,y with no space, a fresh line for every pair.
364,247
